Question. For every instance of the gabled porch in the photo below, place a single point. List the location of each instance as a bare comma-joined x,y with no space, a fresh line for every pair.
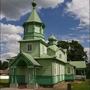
23,71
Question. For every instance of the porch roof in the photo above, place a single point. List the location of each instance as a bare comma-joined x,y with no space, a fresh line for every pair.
78,64
30,58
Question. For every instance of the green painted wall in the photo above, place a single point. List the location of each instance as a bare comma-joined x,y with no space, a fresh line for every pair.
62,56
33,31
35,48
44,73
50,52
43,49
69,72
69,69
51,72
69,77
38,48
58,70
46,67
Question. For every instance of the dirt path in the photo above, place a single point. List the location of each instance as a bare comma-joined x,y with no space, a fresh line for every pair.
26,89
59,86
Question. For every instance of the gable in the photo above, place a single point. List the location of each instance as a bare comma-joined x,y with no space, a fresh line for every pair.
24,57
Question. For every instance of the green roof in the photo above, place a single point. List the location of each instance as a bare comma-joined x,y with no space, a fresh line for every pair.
78,64
34,17
27,56
34,40
52,37
53,47
30,58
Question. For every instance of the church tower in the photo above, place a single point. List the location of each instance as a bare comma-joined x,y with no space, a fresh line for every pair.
33,27
33,40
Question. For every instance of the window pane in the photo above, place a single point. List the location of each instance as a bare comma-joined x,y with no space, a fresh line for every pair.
29,47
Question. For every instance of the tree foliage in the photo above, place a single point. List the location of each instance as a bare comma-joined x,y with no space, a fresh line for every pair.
3,65
75,51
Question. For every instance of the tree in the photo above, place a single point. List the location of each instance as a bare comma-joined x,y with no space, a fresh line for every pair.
0,64
3,65
75,51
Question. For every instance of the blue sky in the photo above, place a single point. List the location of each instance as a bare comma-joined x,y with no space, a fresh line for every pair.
63,18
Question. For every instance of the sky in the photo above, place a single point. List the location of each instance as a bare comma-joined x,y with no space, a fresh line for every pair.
66,19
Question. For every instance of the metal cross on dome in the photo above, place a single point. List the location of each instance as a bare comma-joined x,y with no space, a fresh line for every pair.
34,4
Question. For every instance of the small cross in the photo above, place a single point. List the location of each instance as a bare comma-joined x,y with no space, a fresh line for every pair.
34,4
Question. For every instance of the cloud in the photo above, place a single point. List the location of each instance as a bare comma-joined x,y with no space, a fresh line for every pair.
88,53
10,34
70,37
80,10
13,9
82,38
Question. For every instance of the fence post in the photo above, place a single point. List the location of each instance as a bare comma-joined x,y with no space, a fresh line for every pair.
69,86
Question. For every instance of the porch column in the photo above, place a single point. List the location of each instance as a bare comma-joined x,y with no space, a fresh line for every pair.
34,76
85,73
11,74
30,77
13,78
28,82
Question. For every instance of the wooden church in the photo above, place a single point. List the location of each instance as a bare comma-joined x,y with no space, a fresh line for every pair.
39,63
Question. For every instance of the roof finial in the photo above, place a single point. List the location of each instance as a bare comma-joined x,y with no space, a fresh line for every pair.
34,4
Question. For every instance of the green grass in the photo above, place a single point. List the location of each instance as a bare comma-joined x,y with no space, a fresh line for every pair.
84,85
4,83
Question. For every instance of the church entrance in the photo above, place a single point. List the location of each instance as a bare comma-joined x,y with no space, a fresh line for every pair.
21,81
25,74
22,72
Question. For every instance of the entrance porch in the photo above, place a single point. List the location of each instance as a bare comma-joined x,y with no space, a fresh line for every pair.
23,72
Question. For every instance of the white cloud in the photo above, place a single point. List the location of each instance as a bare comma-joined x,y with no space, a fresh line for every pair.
83,39
49,3
71,37
84,36
8,55
10,34
80,9
88,53
13,9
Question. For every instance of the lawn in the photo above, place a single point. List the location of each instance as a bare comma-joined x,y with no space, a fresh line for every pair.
82,85
4,83
4,80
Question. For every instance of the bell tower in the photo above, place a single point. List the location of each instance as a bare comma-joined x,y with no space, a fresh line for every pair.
33,40
33,27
